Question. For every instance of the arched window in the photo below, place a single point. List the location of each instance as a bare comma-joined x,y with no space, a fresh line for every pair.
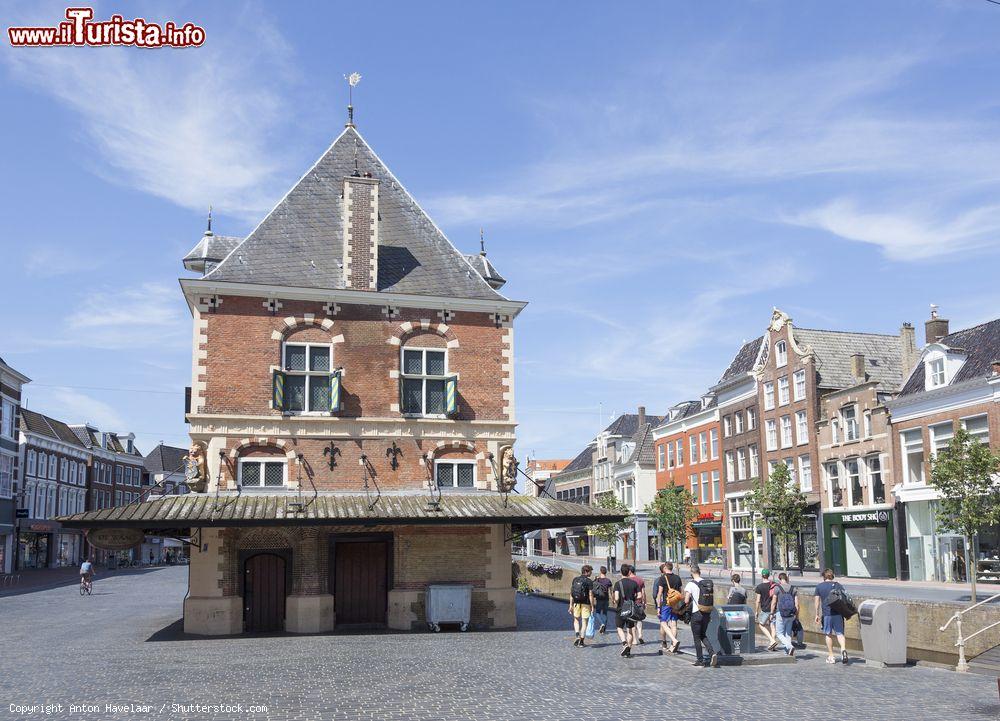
427,388
780,354
307,381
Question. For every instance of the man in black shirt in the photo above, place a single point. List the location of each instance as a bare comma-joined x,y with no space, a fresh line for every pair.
626,590
764,590
581,603
668,617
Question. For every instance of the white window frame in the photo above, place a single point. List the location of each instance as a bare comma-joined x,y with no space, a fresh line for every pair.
32,462
260,460
670,454
706,480
849,417
981,437
753,459
866,420
7,411
799,383
693,447
680,452
53,467
730,466
784,392
751,418
768,395
870,476
801,427
834,430
716,487
713,444
741,463
786,431
936,372
6,476
661,457
454,476
727,426
937,436
308,375
805,473
738,422
780,354
832,471
695,489
771,434
850,478
424,378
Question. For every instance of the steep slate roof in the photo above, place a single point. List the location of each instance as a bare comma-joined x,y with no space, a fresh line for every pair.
210,250
486,269
744,360
300,242
165,459
90,439
583,460
32,422
834,348
981,344
643,452
628,423
343,509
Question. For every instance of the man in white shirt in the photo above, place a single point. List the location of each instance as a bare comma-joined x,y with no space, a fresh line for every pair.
696,591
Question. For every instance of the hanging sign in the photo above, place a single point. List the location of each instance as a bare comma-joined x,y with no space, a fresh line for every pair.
115,539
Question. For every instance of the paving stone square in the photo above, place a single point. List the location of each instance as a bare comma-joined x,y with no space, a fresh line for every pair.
124,645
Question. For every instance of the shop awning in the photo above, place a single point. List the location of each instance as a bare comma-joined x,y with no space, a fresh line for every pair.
199,510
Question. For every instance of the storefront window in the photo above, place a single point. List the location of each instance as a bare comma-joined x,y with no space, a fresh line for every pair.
988,556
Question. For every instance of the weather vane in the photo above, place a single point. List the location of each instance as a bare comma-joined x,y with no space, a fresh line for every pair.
352,80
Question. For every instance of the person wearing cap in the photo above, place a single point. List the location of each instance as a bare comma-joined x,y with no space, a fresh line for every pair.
764,591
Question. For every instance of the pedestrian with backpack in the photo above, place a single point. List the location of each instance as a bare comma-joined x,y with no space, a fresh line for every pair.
784,608
581,603
629,612
602,596
764,591
700,593
668,594
829,592
641,599
737,594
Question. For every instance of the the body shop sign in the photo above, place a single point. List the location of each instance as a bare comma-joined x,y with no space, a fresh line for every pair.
115,539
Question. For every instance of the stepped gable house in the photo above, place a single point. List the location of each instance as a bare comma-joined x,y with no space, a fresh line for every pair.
353,395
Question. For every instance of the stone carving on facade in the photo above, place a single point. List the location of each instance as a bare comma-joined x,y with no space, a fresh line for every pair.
508,470
196,468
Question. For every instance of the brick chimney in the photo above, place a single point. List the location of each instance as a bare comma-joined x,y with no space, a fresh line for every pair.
361,232
642,416
908,348
936,327
858,367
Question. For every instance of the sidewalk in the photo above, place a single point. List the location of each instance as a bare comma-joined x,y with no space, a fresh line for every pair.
40,579
930,591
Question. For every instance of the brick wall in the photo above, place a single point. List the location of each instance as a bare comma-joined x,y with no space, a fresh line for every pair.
242,342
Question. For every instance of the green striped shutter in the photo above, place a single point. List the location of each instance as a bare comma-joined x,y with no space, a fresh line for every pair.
335,392
451,395
278,390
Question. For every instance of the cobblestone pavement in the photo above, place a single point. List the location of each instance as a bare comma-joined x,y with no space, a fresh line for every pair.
124,645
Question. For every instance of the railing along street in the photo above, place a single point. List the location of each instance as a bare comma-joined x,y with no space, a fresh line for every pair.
962,639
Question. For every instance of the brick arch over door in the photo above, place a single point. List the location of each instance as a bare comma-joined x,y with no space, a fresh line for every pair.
407,328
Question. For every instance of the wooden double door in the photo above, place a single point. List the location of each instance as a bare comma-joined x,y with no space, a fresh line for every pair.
264,592
360,581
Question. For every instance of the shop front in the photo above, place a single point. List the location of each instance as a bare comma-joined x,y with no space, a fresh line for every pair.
802,552
35,546
708,548
937,555
859,544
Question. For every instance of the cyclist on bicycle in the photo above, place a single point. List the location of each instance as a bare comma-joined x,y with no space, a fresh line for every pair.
86,571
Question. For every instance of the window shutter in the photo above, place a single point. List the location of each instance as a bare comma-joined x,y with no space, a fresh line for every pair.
451,395
278,390
335,392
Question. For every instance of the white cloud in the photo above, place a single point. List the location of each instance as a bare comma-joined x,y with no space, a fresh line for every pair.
149,316
74,407
908,233
50,262
195,127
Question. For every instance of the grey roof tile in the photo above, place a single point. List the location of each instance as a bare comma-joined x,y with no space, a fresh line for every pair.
743,362
49,427
981,344
165,459
628,423
883,356
300,242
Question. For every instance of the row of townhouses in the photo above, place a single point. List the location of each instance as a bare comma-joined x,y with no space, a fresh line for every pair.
49,468
857,419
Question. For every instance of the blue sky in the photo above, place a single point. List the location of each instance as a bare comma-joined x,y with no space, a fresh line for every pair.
652,177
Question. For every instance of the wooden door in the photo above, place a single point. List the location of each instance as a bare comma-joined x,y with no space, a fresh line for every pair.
361,593
264,593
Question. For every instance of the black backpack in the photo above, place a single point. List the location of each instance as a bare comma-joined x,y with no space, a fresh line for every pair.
737,598
706,595
600,591
840,603
579,591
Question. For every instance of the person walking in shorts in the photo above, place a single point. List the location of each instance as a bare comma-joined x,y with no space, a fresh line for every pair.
667,614
764,591
581,603
832,623
625,592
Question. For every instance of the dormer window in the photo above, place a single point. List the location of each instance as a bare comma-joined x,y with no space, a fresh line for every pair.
936,371
780,354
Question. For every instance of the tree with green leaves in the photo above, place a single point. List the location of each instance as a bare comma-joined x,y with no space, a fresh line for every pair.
780,505
672,511
965,473
611,532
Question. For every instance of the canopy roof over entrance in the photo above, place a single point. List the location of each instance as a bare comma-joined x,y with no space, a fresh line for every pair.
196,510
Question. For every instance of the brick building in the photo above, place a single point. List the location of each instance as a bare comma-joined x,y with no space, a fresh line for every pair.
574,484
11,383
541,471
955,383
736,397
353,394
53,483
689,444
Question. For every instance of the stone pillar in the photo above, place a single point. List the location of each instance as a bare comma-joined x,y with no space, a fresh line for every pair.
499,590
210,608
309,608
